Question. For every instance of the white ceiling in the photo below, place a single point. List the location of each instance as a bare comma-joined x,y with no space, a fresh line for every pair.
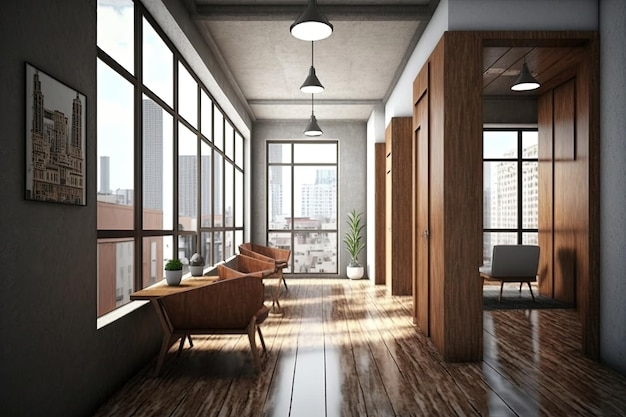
358,64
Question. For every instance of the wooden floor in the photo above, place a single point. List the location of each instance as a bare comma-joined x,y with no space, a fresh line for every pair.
347,348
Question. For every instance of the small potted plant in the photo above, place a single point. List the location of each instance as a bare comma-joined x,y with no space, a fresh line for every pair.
196,265
354,244
173,271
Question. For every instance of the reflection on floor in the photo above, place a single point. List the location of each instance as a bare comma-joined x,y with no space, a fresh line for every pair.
514,299
347,348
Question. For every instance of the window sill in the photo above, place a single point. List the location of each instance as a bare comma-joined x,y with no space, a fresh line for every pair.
118,313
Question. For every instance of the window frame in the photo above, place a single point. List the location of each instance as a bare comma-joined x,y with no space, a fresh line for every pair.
292,230
519,160
203,137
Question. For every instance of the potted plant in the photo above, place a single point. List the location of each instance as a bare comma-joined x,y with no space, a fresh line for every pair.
354,244
196,265
173,271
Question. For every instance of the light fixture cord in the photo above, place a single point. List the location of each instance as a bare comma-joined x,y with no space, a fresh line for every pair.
312,113
312,52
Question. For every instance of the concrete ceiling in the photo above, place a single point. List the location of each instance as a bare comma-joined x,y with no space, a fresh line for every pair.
358,64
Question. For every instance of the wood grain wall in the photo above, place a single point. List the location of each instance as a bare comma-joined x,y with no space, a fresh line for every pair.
398,146
463,196
421,193
588,236
379,208
569,191
455,131
546,195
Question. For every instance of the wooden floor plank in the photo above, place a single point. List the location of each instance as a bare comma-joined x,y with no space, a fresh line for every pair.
361,392
348,348
283,353
309,384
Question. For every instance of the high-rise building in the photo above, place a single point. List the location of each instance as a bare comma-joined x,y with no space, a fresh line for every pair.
275,209
319,200
152,155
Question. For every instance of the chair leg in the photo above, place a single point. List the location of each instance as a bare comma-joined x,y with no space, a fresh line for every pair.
520,286
501,287
284,281
258,329
276,309
531,291
182,343
251,337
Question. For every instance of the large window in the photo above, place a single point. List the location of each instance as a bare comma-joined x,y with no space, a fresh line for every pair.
510,190
170,162
302,204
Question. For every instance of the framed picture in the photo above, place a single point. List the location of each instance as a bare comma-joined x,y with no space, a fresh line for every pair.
55,140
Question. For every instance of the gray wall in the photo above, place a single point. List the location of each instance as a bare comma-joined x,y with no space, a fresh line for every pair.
352,173
53,359
510,110
612,184
54,362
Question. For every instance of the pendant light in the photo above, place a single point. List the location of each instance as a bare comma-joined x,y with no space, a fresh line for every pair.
312,25
312,128
525,81
312,84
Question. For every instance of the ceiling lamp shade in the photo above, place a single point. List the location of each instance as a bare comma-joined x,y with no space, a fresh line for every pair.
312,128
312,25
525,81
312,84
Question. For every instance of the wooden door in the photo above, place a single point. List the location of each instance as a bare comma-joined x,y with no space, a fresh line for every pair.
388,197
380,263
421,204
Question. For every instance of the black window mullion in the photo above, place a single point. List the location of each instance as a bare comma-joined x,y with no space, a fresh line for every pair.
138,148
519,187
520,160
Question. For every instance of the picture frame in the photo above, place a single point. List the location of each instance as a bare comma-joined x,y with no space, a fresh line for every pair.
55,140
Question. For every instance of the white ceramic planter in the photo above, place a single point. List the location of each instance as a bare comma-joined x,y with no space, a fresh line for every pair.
197,270
355,272
173,277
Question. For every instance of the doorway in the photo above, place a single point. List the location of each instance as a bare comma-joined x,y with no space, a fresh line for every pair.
566,64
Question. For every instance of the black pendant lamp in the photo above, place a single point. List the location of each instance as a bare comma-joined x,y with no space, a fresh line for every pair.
312,84
525,81
312,128
312,25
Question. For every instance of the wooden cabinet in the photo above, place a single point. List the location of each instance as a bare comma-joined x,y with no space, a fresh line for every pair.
398,220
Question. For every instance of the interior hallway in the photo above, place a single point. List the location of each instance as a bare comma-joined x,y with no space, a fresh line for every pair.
347,348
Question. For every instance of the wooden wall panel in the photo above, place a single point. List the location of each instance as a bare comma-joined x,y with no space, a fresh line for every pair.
455,128
455,120
399,154
567,211
437,256
463,196
388,199
569,191
421,202
546,195
588,235
379,209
